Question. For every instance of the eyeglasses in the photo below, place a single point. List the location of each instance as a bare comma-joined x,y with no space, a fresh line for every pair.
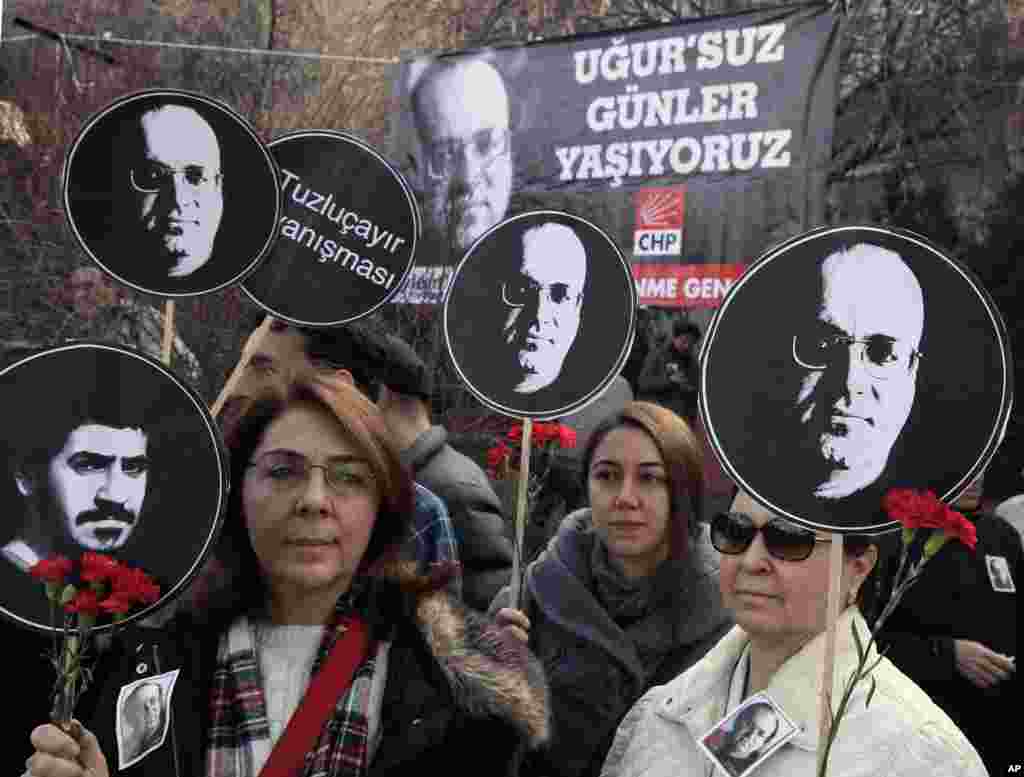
521,293
152,178
733,533
486,145
285,470
881,356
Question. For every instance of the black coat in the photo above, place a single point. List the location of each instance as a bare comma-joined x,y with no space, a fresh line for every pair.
453,682
954,599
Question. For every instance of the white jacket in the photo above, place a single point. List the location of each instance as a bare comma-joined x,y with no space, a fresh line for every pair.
902,734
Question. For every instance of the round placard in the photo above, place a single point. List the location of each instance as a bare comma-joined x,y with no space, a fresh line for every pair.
539,314
849,361
348,232
171,193
105,451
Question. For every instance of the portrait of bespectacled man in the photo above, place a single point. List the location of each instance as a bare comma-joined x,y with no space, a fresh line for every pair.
97,437
539,317
464,167
171,193
839,367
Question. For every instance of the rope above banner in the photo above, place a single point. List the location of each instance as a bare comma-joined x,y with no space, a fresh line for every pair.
215,49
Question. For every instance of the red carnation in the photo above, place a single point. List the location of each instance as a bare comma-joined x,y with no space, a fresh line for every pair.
85,602
924,510
566,436
134,585
516,432
962,529
97,567
543,432
52,570
116,605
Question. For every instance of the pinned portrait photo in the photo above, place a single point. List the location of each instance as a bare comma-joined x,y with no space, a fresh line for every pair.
539,315
748,736
837,366
143,716
999,574
172,193
105,451
348,233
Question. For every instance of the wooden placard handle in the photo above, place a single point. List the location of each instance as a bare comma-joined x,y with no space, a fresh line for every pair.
236,374
522,507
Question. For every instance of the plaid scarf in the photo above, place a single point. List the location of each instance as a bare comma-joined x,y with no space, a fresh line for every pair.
240,732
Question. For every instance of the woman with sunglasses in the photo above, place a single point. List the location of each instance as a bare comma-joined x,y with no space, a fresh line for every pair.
313,607
625,596
774,579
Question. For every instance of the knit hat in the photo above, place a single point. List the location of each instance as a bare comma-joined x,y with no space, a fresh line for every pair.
402,370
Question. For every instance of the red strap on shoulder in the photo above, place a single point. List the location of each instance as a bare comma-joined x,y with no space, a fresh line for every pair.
334,677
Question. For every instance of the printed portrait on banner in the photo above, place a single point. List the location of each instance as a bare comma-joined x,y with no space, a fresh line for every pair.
735,111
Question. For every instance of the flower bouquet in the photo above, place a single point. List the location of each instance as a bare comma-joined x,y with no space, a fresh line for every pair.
504,462
928,524
100,588
545,439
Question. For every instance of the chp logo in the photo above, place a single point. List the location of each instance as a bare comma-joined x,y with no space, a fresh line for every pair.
659,221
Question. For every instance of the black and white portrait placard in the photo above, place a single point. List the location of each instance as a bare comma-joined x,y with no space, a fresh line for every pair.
105,451
999,574
539,315
143,716
849,361
348,231
748,736
172,193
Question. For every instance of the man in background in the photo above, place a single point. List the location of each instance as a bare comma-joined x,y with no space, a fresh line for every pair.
671,374
954,633
474,507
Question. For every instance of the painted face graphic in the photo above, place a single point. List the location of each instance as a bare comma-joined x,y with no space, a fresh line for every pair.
176,189
542,300
859,359
98,484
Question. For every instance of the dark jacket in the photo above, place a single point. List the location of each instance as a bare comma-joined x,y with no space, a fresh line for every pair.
954,599
474,509
454,683
677,391
593,668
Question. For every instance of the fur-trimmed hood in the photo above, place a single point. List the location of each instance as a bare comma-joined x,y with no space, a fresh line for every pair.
490,672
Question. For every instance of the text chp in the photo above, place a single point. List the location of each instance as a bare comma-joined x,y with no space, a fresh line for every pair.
636,110
348,224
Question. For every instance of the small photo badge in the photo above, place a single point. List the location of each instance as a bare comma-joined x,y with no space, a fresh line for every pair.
999,574
143,716
741,741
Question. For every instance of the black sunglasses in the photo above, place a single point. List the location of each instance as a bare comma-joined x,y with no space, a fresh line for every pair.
732,534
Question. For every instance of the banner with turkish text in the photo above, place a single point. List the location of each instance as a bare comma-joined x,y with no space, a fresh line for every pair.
695,145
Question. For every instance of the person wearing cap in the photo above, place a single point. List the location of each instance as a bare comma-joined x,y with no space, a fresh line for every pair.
475,509
671,374
954,633
287,355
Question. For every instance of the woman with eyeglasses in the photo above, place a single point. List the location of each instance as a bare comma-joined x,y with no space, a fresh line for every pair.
318,654
625,596
774,579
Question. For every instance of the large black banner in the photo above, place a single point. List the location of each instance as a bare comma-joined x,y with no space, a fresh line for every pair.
727,121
